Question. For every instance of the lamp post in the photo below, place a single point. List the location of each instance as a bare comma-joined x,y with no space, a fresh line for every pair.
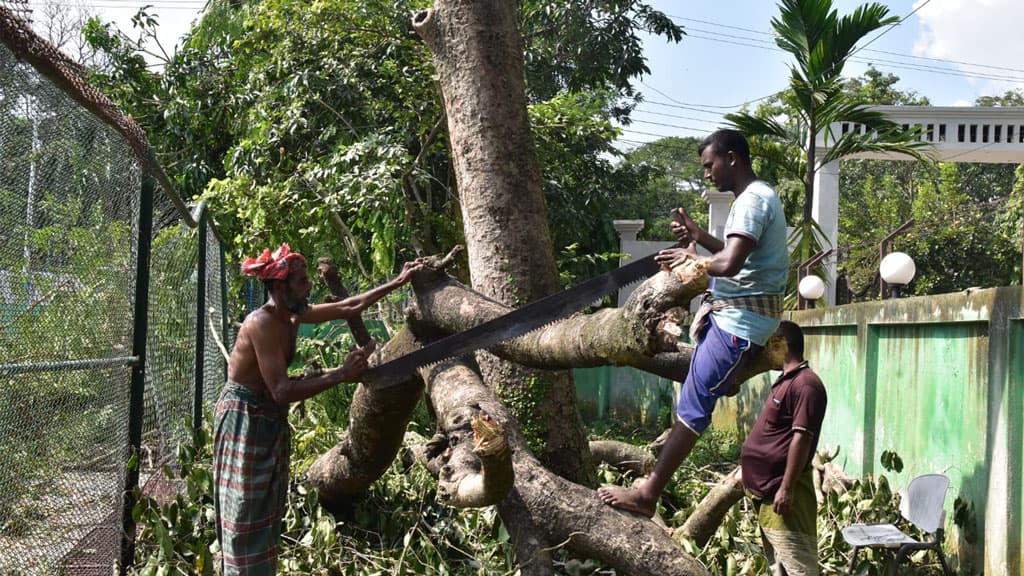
883,249
897,270
811,288
803,270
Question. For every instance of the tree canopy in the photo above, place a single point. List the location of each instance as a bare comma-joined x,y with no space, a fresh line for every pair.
321,125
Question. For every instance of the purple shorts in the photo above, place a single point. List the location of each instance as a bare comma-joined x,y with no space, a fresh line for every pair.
716,361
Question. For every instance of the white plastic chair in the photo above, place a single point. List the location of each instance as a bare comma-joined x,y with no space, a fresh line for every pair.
922,505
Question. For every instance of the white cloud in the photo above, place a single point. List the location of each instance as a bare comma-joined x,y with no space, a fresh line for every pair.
975,31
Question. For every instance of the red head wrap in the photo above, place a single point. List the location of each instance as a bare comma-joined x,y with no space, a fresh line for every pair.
274,266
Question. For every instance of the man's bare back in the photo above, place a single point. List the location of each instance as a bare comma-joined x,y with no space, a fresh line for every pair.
243,365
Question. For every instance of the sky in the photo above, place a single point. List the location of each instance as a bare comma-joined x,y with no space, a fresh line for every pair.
951,51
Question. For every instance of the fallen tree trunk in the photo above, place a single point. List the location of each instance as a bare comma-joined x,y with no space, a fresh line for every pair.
623,456
563,512
708,516
377,422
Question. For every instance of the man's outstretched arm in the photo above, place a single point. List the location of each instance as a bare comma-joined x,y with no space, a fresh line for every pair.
354,305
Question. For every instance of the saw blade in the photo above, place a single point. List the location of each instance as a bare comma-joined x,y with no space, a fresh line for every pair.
513,324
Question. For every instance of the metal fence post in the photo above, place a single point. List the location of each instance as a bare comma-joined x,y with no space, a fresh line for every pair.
224,319
136,402
197,401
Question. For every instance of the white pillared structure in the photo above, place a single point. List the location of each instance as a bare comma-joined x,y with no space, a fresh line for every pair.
959,134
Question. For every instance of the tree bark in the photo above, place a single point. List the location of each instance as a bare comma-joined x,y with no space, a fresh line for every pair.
377,421
623,456
632,335
554,509
477,52
478,55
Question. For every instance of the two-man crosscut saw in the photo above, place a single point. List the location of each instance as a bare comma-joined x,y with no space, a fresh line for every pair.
515,323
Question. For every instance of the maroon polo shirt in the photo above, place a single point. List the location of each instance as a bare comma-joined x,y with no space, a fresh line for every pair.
796,402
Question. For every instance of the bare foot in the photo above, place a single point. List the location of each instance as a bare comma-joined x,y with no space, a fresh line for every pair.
629,499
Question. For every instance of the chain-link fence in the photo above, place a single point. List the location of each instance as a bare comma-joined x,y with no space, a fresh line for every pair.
87,377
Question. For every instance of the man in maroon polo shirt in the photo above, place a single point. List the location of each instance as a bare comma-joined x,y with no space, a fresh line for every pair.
776,462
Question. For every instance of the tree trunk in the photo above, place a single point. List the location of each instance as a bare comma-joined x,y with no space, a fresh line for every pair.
470,476
551,508
478,56
477,52
377,421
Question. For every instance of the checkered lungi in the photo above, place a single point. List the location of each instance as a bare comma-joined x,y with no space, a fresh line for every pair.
791,540
251,446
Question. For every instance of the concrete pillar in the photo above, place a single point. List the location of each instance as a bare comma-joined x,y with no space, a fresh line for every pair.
627,229
718,211
825,211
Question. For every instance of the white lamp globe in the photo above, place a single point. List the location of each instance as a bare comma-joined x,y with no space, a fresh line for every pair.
897,268
811,287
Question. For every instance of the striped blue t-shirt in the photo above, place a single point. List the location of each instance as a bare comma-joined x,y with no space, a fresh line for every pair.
757,214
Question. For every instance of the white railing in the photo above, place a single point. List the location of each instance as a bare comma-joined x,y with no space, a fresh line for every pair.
992,134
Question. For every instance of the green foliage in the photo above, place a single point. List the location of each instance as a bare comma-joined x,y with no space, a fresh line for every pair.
524,403
574,267
178,535
78,312
967,223
583,189
966,519
676,179
891,461
400,528
127,77
736,546
960,241
578,46
1013,97
875,87
968,217
322,125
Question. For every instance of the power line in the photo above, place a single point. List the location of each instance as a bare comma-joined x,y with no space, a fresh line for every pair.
887,30
676,116
936,70
659,144
961,63
697,107
863,48
682,106
641,133
862,59
662,124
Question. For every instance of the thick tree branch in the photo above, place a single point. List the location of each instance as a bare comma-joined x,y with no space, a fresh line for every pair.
622,455
707,517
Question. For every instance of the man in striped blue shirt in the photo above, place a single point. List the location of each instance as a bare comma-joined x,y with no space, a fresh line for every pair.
748,280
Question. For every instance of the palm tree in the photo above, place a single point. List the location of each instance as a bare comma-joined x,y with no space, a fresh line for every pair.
821,41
